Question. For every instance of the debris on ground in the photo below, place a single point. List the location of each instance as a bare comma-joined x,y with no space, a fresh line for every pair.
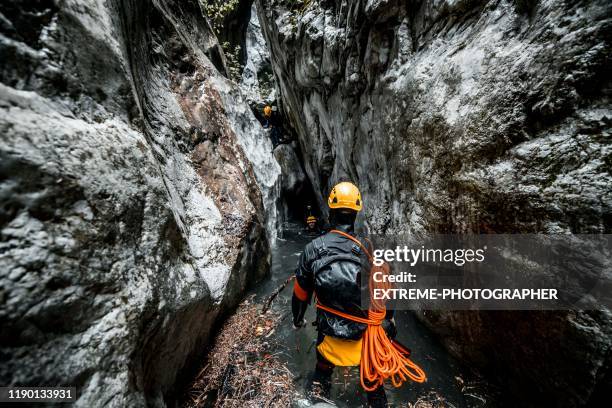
242,370
431,400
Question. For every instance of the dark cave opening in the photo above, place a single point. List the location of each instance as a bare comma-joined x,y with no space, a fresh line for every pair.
298,204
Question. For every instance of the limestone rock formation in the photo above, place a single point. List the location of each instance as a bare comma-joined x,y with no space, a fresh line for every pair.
133,178
465,116
257,79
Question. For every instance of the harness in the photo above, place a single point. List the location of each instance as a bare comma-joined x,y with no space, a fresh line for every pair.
381,357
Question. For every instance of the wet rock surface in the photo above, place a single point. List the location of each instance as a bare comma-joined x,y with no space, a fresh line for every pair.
465,116
257,79
133,178
295,191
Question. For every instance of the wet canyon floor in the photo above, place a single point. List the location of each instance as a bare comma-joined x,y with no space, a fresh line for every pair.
448,384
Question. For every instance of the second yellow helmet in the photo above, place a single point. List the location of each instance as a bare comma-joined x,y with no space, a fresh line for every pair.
345,195
267,111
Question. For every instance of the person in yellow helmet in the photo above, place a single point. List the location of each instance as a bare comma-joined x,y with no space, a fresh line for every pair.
272,120
312,223
331,267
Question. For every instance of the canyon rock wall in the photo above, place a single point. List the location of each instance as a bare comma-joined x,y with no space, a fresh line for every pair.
257,80
465,116
133,178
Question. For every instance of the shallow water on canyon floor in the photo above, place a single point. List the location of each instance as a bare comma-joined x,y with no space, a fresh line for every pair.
444,387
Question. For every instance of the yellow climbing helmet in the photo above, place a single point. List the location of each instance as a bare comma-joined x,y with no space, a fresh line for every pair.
345,195
267,111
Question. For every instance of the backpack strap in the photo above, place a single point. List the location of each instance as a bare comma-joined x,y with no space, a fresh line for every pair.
320,247
355,240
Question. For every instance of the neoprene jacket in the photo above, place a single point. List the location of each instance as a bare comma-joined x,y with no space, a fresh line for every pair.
333,267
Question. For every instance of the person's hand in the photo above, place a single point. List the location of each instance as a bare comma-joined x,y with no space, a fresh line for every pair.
299,325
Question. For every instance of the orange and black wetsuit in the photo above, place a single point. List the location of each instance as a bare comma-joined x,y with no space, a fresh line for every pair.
333,267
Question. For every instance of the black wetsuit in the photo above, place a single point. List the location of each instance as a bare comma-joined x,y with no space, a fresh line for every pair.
274,122
332,266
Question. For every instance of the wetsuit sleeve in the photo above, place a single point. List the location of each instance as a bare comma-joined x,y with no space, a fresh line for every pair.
303,286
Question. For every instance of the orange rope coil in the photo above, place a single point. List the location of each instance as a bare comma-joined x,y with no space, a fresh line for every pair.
381,357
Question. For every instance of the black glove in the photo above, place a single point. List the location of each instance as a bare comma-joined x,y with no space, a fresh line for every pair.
389,328
298,309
